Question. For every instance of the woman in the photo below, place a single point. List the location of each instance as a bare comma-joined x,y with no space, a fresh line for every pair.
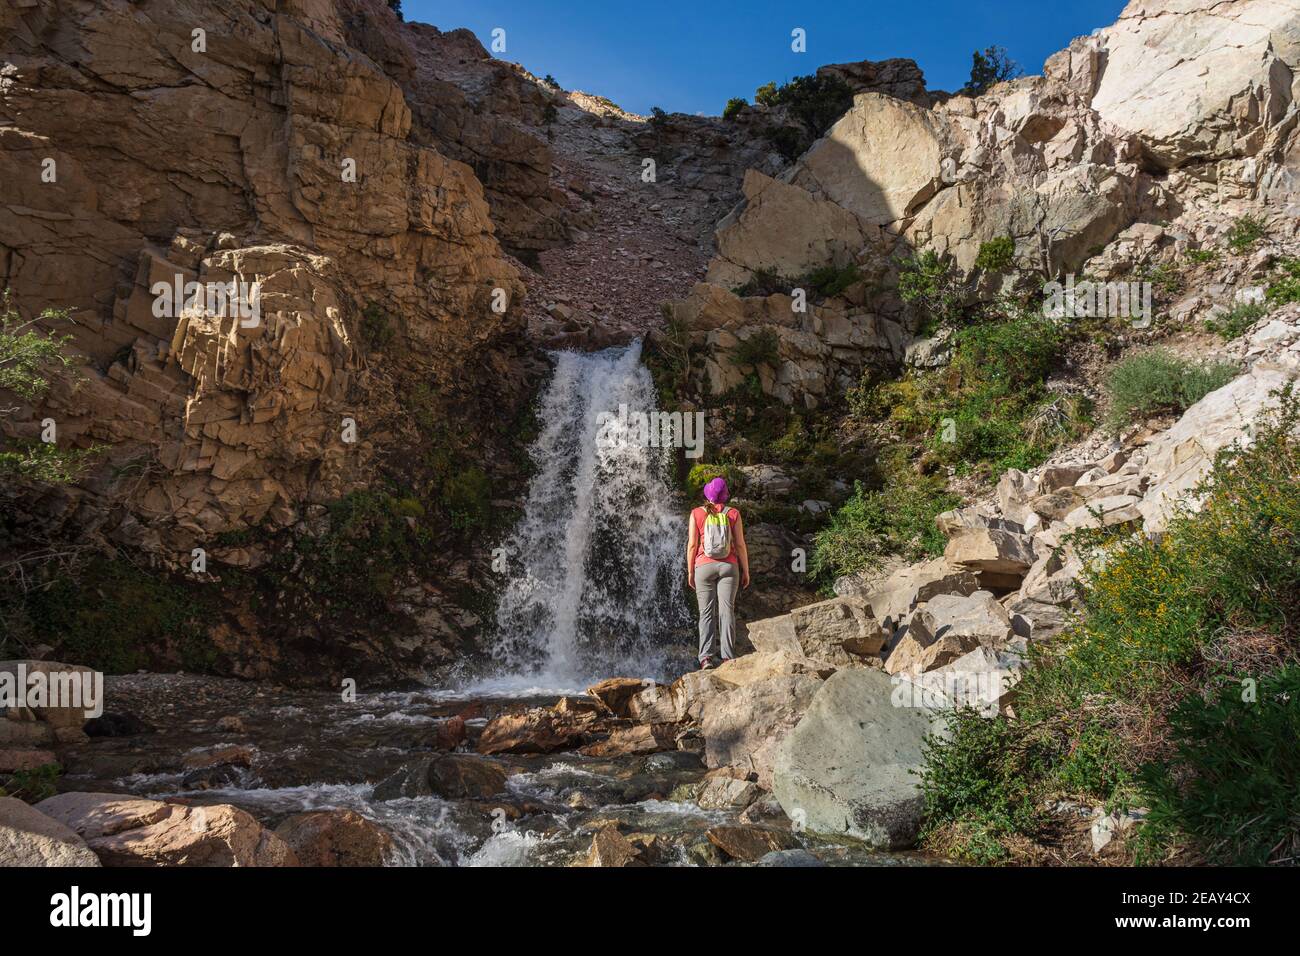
717,566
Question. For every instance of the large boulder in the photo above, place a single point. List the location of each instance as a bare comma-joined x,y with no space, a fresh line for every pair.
849,766
984,551
1199,80
900,593
978,617
132,831
743,727
841,631
30,838
335,838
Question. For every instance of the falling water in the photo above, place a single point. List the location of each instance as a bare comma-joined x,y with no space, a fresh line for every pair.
595,586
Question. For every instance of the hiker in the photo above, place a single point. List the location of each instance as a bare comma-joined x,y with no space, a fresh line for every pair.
717,567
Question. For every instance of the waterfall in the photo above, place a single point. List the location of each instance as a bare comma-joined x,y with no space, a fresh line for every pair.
596,562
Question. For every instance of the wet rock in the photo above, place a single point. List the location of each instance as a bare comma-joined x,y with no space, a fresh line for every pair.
616,693
670,761
451,776
637,739
611,848
237,755
449,734
30,838
750,843
335,838
789,858
848,767
725,792
131,831
117,725
218,777
534,732
231,724
766,811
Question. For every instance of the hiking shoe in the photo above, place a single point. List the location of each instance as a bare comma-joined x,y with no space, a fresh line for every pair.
707,664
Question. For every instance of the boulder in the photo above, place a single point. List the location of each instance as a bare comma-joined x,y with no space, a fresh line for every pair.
899,594
638,739
15,759
980,679
682,700
616,693
918,652
335,838
451,776
742,727
984,551
750,843
1109,512
848,767
132,831
840,632
726,792
536,731
611,848
974,617
30,838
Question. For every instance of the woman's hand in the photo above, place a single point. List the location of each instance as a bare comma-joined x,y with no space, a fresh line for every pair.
744,579
690,580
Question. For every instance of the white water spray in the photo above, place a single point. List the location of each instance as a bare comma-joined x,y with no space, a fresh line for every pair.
596,563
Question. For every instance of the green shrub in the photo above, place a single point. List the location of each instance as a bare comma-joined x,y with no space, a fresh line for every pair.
996,255
1234,323
378,330
829,281
1139,701
468,499
929,283
1245,232
1232,788
761,348
33,786
1159,382
700,475
766,95
896,520
735,106
1202,256
1287,287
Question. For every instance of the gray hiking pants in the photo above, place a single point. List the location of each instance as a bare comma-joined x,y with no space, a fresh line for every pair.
716,584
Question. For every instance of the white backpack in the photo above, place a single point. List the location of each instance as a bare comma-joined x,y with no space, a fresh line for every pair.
717,534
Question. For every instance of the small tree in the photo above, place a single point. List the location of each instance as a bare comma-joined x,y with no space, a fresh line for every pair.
396,7
990,67
733,107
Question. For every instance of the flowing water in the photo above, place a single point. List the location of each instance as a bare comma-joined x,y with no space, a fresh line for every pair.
595,585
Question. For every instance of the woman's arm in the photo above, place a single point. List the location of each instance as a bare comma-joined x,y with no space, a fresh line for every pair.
742,552
692,546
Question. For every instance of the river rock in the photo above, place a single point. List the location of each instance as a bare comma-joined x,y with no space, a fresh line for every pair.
616,693
750,843
451,776
536,731
638,739
611,848
743,727
848,767
726,789
30,838
132,831
335,838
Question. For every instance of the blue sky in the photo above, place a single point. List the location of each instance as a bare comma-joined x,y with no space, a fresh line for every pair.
691,57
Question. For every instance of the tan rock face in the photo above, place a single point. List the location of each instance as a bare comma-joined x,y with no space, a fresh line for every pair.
246,175
31,838
1199,80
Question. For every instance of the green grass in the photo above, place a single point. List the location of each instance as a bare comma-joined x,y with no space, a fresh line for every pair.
1140,702
1159,382
1246,231
1286,288
1234,323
